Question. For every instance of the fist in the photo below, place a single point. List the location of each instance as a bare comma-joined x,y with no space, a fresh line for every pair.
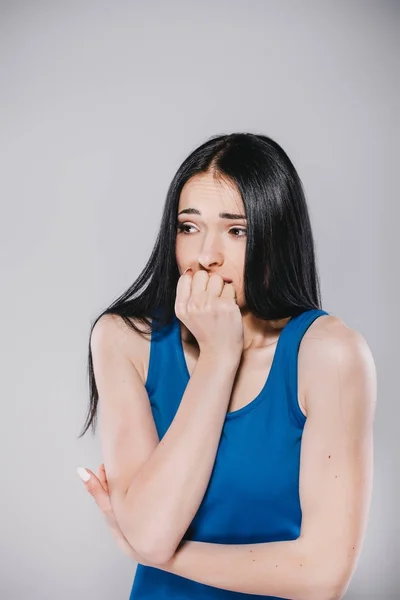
206,305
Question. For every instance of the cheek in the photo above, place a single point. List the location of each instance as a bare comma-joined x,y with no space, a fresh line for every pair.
185,247
184,253
236,259
180,251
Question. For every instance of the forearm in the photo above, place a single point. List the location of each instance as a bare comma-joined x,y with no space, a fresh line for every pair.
166,493
285,569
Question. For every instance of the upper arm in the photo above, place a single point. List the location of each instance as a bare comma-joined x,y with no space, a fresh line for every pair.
336,465
127,430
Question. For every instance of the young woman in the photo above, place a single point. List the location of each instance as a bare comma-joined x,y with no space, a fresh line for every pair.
237,428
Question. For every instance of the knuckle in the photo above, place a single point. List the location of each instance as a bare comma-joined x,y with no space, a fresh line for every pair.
193,306
91,488
227,305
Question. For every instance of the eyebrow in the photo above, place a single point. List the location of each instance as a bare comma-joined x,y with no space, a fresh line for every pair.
223,215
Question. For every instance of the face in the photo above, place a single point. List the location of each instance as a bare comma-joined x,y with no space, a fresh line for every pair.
211,230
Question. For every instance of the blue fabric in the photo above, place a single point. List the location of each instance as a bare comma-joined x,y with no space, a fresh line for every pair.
253,492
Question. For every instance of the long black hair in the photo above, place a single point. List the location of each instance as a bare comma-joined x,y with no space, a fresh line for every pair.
280,274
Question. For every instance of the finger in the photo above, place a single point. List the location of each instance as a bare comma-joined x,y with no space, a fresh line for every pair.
215,284
183,291
199,282
228,291
95,489
103,477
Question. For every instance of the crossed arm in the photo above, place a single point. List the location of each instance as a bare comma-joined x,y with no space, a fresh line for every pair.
336,471
335,480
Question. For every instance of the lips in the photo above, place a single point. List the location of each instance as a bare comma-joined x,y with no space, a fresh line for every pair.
227,280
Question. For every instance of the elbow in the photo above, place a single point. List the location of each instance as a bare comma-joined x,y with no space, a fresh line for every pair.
339,583
163,549
324,592
334,594
338,589
152,548
158,547
323,585
328,575
324,588
156,553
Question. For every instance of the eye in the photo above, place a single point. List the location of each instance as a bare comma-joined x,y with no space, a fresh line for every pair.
183,226
240,229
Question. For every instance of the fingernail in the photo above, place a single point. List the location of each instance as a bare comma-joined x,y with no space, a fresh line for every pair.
188,269
83,474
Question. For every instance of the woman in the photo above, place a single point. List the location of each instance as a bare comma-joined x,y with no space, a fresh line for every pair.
237,430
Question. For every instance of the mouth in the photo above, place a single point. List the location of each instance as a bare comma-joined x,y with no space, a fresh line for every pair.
227,280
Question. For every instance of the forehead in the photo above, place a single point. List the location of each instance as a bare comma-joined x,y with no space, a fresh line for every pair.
210,194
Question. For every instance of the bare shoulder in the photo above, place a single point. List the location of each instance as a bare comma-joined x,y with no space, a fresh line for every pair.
112,329
329,335
328,342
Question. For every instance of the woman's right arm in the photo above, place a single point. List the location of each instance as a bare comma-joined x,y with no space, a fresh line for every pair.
156,487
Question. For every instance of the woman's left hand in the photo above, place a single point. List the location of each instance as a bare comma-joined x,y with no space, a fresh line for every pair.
98,488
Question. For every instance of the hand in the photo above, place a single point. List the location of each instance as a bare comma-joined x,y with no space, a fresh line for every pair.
207,306
98,488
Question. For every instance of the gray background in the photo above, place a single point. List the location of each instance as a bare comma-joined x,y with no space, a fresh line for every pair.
100,102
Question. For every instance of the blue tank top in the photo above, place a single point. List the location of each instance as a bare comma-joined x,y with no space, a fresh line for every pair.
253,492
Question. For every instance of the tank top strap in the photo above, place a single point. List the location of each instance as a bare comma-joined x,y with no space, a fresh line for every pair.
292,335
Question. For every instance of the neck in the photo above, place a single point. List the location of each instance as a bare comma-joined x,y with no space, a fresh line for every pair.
258,333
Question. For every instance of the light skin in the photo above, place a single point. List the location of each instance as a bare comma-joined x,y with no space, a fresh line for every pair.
207,242
337,444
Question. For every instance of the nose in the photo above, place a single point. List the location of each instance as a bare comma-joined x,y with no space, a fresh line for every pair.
210,254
